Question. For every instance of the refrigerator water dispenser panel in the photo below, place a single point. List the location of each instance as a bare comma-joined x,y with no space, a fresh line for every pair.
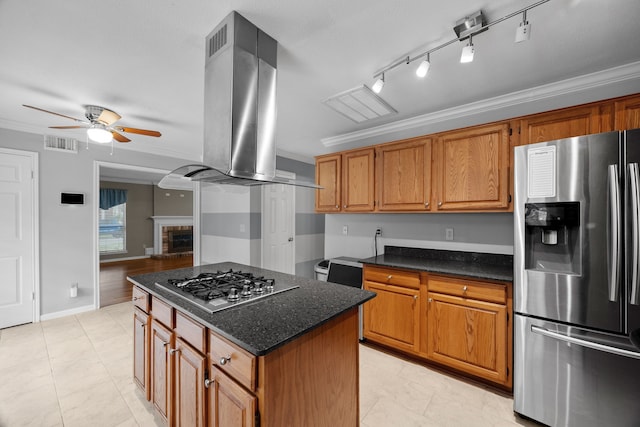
552,237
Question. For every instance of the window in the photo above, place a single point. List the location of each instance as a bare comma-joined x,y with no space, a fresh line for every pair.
112,236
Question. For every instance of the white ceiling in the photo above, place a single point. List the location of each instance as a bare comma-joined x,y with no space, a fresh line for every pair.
145,59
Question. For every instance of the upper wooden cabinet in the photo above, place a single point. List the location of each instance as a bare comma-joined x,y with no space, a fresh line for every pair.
404,175
348,181
566,123
472,169
329,176
627,113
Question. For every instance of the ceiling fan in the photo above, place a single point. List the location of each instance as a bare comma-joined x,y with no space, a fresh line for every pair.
100,124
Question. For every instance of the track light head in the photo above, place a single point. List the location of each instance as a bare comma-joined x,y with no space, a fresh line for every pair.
423,68
378,85
523,32
467,52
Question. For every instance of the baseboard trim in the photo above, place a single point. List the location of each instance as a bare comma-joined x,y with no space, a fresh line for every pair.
65,313
124,259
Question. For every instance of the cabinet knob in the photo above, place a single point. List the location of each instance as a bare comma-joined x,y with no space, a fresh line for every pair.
344,206
225,360
208,382
439,203
165,343
430,300
464,289
174,350
137,298
389,277
337,206
415,297
426,204
142,325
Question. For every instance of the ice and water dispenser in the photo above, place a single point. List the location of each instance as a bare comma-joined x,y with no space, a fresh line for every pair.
552,237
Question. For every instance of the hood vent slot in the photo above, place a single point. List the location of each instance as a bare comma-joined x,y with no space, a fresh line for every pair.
218,41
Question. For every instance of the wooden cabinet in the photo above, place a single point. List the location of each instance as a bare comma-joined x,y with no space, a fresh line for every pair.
473,169
627,113
141,328
404,175
348,181
189,394
161,369
329,176
468,327
230,405
393,317
566,123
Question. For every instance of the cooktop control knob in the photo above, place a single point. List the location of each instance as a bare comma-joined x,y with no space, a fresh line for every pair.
259,288
269,284
246,291
233,295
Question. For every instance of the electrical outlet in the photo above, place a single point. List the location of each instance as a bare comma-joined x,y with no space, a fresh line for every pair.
345,230
448,234
379,231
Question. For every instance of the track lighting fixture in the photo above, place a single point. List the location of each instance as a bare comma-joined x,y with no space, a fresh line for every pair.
467,52
377,86
466,27
523,32
424,66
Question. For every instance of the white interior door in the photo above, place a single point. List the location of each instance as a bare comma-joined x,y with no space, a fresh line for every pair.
278,226
17,237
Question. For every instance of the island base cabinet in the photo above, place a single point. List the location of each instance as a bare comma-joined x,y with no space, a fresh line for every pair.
468,335
230,405
161,341
189,392
141,327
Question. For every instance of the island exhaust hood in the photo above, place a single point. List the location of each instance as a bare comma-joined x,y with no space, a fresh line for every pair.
239,109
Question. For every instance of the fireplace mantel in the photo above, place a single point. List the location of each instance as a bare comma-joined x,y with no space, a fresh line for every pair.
166,221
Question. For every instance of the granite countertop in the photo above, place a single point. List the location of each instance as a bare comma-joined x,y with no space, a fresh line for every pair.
468,264
266,324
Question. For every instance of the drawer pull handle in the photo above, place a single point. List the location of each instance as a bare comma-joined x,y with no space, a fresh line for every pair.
208,382
464,289
174,350
225,360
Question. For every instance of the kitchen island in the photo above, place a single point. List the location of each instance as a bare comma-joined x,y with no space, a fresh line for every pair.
289,359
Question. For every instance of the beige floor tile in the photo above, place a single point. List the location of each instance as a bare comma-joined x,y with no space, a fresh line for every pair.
79,375
31,406
387,413
98,405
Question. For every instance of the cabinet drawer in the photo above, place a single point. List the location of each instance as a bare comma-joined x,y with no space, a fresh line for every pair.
492,292
392,277
141,299
235,361
193,333
162,312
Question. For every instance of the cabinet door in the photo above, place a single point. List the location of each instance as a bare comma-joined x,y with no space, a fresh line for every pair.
628,113
473,169
565,123
141,327
404,175
392,317
230,405
358,180
329,176
189,399
468,335
161,342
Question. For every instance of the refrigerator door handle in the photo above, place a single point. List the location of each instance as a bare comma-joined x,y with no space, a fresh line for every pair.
634,189
613,252
584,343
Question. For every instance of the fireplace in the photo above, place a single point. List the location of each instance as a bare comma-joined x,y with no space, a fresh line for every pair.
177,239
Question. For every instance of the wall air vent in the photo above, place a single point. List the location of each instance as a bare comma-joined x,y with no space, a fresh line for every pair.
57,143
218,41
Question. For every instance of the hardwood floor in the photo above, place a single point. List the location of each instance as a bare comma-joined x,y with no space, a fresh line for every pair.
114,287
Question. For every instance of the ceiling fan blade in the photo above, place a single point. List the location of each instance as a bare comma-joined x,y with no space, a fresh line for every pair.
67,127
139,131
51,112
108,117
118,137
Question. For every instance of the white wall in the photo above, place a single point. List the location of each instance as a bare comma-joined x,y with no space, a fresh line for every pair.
67,239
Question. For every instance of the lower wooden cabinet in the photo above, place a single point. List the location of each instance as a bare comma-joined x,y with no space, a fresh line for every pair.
230,405
161,367
189,392
141,328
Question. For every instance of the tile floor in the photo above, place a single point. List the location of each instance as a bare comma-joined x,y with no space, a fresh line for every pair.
76,371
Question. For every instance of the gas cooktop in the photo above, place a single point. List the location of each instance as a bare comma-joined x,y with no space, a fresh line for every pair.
223,289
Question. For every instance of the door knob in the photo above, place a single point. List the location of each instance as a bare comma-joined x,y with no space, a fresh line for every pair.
291,239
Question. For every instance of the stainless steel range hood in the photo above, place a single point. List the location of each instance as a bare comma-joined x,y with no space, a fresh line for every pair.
239,109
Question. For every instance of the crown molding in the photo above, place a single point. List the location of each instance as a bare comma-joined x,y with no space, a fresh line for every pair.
572,85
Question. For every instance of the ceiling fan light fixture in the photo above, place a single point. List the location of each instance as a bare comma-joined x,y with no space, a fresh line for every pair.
99,133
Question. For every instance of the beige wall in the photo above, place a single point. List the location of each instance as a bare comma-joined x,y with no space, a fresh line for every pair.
172,202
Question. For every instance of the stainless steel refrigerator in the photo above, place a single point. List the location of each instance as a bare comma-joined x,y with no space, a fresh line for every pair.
576,280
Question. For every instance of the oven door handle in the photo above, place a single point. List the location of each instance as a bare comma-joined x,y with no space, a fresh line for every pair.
634,189
613,246
584,343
